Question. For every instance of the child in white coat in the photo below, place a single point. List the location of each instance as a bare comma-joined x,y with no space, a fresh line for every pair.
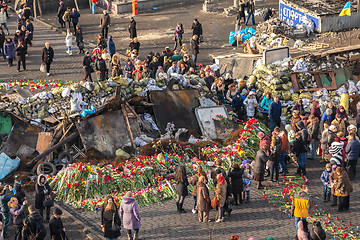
68,41
250,103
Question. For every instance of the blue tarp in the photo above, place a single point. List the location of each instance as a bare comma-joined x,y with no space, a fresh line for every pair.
245,33
7,165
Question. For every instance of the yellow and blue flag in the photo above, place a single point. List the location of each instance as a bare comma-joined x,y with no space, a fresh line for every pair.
346,10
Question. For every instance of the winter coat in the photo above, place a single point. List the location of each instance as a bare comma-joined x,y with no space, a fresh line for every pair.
30,226
56,229
275,145
313,129
100,65
20,194
331,138
294,121
237,103
300,205
4,199
18,38
221,194
179,33
260,161
194,47
61,10
316,112
324,139
9,50
352,150
27,13
30,29
340,125
87,63
300,108
128,70
134,45
236,179
3,18
264,141
336,153
325,177
18,215
68,39
250,7
203,198
21,51
317,233
275,110
342,187
107,217
248,175
197,29
326,118
301,234
75,16
2,40
181,187
132,29
195,183
105,20
116,69
79,36
129,213
299,147
284,142
42,190
357,114
47,55
111,46
304,132
66,17
249,103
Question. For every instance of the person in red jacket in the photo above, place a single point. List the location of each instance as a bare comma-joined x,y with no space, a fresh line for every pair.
93,6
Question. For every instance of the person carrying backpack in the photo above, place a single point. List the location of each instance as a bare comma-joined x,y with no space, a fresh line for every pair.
33,226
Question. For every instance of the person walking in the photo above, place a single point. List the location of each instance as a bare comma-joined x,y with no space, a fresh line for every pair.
93,6
75,18
115,66
111,46
203,205
20,19
275,113
221,195
33,225
60,14
179,31
261,158
57,230
100,66
2,41
68,41
30,32
5,6
88,69
241,13
21,51
181,187
313,129
110,219
17,212
284,150
79,39
197,29
9,51
105,23
250,10
27,12
4,208
300,205
342,189
47,57
129,213
3,20
236,178
43,191
199,172
194,48
67,18
132,28
352,151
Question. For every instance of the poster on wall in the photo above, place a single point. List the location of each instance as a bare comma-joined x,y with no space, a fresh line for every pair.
294,17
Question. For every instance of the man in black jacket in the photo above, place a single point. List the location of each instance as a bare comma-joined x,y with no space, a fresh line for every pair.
87,66
33,225
21,52
105,23
100,66
47,57
194,48
251,11
57,230
60,13
132,28
197,29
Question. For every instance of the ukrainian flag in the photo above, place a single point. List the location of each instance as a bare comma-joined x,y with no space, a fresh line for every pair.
346,10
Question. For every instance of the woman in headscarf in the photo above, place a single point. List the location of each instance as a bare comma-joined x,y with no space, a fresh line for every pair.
342,112
342,189
43,190
299,106
295,119
315,110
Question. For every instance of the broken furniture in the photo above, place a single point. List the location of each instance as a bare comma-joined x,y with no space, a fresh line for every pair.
320,78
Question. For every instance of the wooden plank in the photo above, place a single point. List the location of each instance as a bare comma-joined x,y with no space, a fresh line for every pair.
128,126
34,5
44,140
39,6
295,82
137,116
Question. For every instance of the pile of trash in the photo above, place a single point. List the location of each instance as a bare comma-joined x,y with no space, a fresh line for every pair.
275,26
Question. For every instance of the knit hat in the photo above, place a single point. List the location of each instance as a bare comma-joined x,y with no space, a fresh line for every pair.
328,111
332,128
328,166
333,167
245,162
58,211
351,127
260,135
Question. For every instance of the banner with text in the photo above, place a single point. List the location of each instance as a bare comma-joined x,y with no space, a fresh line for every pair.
294,17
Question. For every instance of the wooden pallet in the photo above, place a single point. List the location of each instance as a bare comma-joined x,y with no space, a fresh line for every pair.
316,46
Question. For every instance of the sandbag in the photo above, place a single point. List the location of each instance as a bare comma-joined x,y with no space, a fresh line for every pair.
305,95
